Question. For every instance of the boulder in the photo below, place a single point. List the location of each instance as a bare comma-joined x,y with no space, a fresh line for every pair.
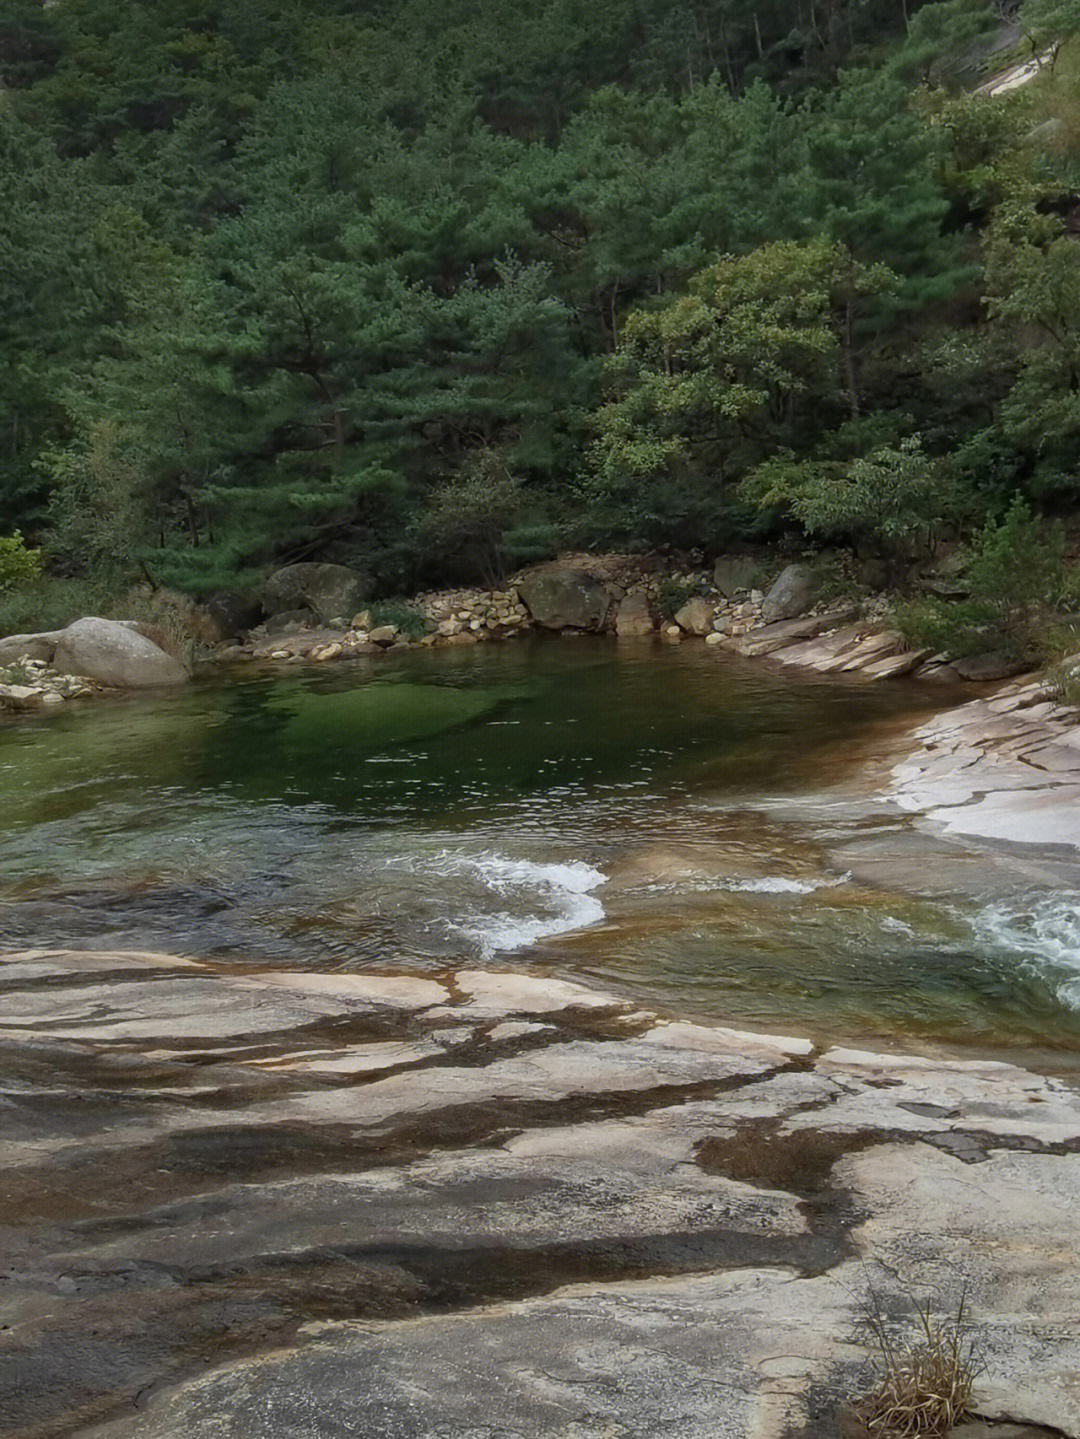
562,599
792,594
635,615
384,635
112,653
225,615
28,647
21,697
994,665
331,591
736,572
696,616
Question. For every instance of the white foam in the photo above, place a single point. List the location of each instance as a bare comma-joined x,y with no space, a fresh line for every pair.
544,899
1045,933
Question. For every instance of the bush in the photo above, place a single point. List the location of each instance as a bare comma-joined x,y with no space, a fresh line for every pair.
18,565
1014,572
673,592
49,605
408,620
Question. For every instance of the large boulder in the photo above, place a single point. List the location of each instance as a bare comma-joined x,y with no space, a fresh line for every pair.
792,595
225,615
331,591
113,653
635,615
696,616
562,599
736,572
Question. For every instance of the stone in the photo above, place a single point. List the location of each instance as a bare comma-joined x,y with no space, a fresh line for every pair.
383,635
792,595
112,653
286,622
328,590
225,615
564,598
21,697
635,615
715,639
33,647
696,616
995,665
733,573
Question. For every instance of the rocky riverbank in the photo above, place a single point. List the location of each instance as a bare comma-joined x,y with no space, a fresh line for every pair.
304,615
246,1204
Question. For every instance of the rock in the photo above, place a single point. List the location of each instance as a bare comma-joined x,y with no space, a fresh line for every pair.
792,594
383,635
328,590
33,647
288,622
114,654
361,621
225,615
696,616
736,572
715,638
565,599
635,615
996,665
21,697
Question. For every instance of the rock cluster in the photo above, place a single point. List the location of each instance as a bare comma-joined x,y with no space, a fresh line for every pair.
42,670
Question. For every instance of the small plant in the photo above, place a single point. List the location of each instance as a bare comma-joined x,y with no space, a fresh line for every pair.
408,620
18,565
927,1383
672,593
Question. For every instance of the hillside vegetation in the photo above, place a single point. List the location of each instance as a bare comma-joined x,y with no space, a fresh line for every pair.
434,290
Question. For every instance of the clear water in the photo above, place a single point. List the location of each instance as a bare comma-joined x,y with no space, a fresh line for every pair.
661,820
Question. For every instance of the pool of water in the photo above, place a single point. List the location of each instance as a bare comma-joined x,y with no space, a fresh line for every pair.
663,820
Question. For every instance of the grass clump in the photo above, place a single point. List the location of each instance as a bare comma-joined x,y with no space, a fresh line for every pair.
409,620
927,1379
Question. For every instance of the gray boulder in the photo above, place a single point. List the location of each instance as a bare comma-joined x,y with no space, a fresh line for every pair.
28,647
635,615
696,616
113,653
331,591
736,572
561,599
792,594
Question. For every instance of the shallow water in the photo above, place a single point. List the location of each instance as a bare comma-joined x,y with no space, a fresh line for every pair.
662,820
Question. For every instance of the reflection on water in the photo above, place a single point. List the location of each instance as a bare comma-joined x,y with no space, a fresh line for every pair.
609,804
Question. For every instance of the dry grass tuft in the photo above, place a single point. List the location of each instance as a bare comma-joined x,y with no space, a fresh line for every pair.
926,1387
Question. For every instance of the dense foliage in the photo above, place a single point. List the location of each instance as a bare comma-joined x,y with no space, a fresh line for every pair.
435,290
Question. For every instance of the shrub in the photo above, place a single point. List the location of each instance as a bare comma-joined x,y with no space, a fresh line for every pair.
673,592
409,621
1014,571
49,605
18,565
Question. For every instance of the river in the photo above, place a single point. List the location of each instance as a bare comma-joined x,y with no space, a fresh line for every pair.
668,822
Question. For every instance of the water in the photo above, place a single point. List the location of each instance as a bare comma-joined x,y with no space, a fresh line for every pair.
669,822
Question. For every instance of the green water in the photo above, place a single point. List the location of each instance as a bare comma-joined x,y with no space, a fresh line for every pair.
659,819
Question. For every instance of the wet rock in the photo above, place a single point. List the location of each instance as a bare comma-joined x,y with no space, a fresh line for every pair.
114,654
792,595
383,635
21,697
561,598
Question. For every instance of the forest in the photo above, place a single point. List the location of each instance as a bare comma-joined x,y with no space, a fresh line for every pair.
437,290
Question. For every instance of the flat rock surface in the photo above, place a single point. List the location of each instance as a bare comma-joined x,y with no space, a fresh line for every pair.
1006,767
296,1203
